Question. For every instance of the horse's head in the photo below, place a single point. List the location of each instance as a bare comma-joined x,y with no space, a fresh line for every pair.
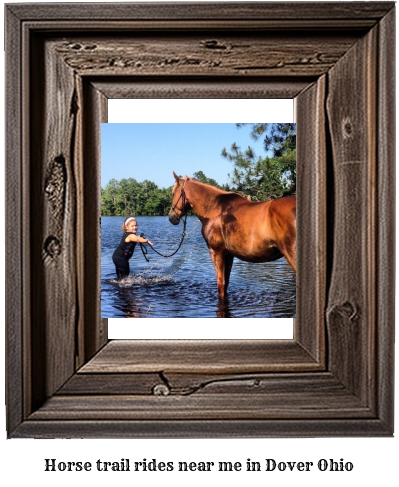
180,204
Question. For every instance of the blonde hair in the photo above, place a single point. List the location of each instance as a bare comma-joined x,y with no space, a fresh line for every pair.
127,220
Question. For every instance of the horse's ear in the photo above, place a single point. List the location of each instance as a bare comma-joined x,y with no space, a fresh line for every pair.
186,177
176,177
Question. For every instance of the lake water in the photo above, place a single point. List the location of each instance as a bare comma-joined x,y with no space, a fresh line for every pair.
184,286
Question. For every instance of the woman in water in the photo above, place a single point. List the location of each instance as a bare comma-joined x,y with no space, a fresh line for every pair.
126,247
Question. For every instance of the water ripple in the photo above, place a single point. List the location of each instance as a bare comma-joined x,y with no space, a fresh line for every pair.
185,285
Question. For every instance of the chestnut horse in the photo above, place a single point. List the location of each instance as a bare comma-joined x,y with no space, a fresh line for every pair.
232,226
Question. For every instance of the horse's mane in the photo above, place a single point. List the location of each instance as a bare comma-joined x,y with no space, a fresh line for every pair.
214,189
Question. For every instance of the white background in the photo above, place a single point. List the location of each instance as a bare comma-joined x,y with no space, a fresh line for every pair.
375,460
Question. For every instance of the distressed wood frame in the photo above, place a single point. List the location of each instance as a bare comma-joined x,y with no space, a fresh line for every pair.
64,378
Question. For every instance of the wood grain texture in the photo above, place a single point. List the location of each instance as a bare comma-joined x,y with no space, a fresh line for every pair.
203,407
351,109
190,428
16,289
182,87
53,196
385,244
94,330
269,396
217,55
311,218
184,384
96,384
337,63
200,356
208,11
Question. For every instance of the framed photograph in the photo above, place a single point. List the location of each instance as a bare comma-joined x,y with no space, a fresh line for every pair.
146,141
65,377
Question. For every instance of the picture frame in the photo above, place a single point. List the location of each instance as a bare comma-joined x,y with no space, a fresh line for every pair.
335,378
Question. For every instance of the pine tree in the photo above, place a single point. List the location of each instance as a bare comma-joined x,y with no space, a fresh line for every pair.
268,177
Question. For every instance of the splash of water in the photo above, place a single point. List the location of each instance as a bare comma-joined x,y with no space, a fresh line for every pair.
139,280
161,270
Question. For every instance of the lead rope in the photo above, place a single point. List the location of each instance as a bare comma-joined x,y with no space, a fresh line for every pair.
145,250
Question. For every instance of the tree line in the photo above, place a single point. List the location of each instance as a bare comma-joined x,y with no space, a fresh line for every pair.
129,197
256,177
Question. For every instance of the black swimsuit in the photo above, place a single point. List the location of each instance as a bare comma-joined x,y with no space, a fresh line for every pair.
122,255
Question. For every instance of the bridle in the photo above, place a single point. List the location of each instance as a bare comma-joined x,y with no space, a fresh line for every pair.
184,214
183,198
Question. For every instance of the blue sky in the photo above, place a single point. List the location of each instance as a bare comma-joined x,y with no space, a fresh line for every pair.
153,150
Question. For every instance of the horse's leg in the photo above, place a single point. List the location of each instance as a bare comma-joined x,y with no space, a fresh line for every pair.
218,259
228,264
290,255
288,249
